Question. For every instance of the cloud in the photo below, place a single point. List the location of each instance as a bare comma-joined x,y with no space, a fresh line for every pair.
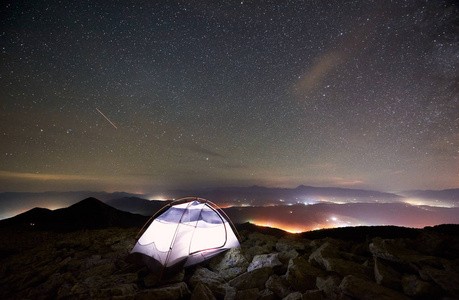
343,182
309,81
44,177
198,149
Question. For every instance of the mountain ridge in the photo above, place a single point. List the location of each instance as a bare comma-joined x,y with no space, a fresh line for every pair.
89,213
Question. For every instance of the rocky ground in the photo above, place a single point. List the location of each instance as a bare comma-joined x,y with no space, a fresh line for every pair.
90,264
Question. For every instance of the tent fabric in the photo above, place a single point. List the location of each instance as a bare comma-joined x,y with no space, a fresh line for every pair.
185,233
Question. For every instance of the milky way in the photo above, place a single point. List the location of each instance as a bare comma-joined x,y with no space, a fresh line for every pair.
277,93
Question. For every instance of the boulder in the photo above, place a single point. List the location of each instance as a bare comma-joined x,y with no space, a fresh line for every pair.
367,290
277,285
248,294
253,279
329,286
321,255
211,279
125,289
448,280
287,244
229,264
154,278
301,275
266,295
293,296
386,275
258,243
171,292
395,250
264,260
313,295
285,257
103,270
328,257
202,292
230,293
52,285
413,286
250,252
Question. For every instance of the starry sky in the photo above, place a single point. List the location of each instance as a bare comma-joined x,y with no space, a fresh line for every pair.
142,96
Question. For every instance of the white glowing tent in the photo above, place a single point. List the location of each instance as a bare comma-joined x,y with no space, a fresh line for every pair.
184,233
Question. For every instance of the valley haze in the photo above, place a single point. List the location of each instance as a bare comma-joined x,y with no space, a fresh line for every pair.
299,209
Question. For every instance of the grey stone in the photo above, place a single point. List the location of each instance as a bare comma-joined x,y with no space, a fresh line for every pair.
448,280
328,257
285,257
367,290
248,294
103,270
125,289
229,264
313,295
266,295
171,292
293,296
385,275
277,286
415,287
301,275
253,279
329,286
229,259
230,293
202,292
286,245
264,260
322,254
211,279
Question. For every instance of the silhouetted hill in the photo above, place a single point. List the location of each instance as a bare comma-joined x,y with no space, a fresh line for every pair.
14,203
137,205
89,213
262,229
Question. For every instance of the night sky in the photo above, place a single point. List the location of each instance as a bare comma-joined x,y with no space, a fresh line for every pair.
142,96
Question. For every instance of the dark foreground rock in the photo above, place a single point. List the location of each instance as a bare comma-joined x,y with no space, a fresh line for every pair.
91,264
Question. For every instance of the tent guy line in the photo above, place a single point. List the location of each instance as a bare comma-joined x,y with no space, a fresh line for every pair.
106,118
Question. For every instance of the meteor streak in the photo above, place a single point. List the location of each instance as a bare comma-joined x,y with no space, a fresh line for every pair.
106,118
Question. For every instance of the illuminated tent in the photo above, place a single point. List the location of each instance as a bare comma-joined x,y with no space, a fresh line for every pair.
184,233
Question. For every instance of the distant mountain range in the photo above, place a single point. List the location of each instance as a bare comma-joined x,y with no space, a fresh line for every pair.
260,196
12,204
447,195
93,214
89,213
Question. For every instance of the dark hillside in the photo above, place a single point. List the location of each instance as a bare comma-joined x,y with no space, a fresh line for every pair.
89,213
